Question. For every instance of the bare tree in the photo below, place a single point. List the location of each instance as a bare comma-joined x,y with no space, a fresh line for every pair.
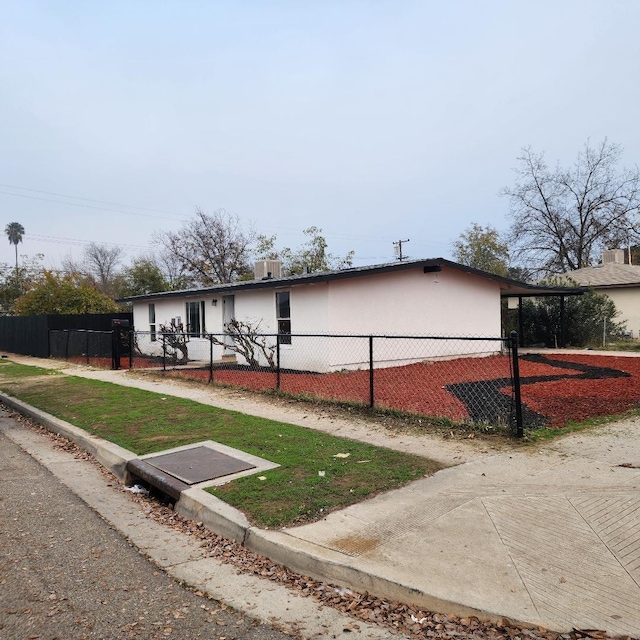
102,262
564,218
175,340
97,268
248,342
212,248
173,271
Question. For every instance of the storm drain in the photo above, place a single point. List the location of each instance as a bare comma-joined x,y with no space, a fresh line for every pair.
198,464
201,464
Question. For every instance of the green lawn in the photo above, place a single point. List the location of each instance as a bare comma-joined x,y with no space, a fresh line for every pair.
310,482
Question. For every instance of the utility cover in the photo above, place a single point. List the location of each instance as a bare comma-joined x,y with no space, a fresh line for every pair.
198,464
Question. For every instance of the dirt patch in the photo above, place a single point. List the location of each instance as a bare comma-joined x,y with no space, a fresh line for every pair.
355,545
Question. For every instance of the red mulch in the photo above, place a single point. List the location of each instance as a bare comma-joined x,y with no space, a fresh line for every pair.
415,388
568,399
421,387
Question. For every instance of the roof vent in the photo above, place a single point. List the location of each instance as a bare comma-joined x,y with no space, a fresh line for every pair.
613,256
263,269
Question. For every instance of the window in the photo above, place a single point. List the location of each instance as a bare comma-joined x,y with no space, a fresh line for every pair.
283,316
152,322
195,318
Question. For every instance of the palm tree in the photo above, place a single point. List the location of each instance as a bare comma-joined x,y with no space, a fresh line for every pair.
14,231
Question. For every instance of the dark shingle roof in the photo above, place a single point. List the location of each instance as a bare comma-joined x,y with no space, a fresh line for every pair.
508,287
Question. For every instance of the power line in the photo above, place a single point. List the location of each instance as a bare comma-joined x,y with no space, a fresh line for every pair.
87,206
62,195
77,241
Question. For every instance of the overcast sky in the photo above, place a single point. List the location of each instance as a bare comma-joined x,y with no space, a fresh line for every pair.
376,121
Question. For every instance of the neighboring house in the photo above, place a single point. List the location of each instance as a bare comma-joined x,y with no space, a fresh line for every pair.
433,297
618,281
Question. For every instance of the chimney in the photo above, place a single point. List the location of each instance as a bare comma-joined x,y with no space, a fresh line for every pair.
267,269
613,256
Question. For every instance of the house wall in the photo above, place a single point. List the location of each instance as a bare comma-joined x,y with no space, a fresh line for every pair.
169,308
413,303
308,315
627,302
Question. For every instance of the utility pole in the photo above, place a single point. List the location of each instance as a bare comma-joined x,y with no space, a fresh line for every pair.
397,248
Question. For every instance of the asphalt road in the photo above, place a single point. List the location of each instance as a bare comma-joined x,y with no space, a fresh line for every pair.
66,574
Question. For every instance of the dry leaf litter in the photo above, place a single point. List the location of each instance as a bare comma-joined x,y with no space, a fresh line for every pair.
397,616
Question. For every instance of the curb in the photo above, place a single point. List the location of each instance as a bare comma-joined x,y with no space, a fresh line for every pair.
296,555
109,455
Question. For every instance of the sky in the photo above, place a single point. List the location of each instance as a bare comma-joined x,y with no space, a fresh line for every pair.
376,121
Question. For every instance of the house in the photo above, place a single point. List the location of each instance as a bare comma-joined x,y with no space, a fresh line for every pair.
433,297
618,281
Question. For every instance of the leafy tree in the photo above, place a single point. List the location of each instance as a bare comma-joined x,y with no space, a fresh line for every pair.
564,218
482,248
14,284
56,294
211,248
14,231
143,276
588,318
312,256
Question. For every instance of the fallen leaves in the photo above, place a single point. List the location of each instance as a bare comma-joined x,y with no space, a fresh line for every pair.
402,618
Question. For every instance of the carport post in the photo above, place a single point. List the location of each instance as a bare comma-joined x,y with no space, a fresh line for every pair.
516,384
520,321
278,362
210,358
563,328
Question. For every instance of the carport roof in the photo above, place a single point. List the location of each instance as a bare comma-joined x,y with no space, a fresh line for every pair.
508,288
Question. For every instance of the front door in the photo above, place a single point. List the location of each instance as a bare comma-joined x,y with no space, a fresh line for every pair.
228,314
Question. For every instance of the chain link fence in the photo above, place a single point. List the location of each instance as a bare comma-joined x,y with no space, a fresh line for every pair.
455,379
458,379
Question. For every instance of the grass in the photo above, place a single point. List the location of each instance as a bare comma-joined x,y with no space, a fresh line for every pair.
14,370
146,422
622,345
551,433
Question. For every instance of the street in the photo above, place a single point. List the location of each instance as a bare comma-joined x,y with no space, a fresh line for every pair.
65,573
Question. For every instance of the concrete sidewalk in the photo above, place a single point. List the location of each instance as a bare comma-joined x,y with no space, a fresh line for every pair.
550,537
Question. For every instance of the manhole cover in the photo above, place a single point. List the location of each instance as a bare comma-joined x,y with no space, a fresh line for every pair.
198,464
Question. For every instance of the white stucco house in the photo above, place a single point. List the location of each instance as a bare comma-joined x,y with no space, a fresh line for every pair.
618,281
431,297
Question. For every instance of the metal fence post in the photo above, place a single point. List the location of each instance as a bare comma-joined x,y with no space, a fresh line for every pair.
116,347
516,384
371,389
164,353
87,347
278,362
210,359
66,346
